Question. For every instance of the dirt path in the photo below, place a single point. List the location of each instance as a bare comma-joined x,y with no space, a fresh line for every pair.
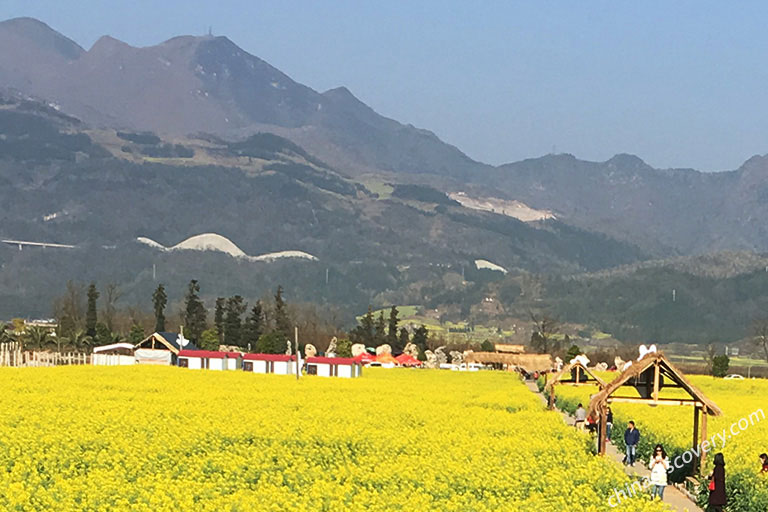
672,496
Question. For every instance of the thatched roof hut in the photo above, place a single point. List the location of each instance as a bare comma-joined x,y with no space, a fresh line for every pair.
643,376
528,362
577,374
508,348
648,377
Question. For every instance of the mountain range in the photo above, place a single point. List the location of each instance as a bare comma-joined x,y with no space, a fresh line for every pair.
195,135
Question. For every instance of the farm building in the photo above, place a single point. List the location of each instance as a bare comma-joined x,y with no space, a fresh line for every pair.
347,367
161,348
209,360
116,354
279,364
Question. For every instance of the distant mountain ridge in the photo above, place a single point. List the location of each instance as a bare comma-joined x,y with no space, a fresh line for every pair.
668,211
191,85
208,84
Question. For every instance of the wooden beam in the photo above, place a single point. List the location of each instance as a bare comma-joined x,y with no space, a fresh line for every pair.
656,381
650,401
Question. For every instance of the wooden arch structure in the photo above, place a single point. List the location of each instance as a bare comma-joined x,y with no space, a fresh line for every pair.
576,374
649,376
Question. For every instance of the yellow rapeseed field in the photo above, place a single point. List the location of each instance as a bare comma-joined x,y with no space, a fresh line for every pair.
673,427
154,439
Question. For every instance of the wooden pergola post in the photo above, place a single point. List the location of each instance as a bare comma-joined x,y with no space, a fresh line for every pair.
601,433
695,435
552,397
703,437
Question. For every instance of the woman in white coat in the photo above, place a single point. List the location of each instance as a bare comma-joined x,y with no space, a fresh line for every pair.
659,466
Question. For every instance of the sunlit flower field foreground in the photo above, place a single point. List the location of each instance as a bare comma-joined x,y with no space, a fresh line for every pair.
154,438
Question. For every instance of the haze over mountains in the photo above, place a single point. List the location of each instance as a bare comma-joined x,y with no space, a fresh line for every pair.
101,146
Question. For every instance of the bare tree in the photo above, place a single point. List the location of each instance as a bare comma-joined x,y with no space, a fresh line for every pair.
760,334
69,309
545,328
709,357
112,294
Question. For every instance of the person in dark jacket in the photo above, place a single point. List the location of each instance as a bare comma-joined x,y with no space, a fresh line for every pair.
717,498
764,462
631,438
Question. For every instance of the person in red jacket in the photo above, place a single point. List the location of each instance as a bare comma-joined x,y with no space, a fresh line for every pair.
717,499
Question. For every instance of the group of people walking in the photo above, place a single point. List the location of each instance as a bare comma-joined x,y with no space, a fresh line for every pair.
659,463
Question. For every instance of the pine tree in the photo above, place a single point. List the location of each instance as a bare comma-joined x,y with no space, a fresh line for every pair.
380,329
282,321
136,334
218,317
233,322
159,300
392,328
402,340
254,326
90,313
364,332
195,316
420,336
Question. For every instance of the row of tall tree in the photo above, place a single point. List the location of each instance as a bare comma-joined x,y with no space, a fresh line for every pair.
262,328
373,331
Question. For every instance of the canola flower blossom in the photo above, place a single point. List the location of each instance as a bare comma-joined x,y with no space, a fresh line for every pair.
162,438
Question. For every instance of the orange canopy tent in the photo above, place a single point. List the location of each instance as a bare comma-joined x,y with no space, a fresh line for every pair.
366,358
408,360
387,358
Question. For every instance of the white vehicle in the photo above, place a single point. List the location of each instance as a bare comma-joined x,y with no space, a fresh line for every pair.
734,376
471,367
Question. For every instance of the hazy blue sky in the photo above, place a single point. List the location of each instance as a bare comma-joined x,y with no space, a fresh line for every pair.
680,84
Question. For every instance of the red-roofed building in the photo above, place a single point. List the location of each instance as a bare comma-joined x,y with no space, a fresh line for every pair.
346,367
279,364
209,360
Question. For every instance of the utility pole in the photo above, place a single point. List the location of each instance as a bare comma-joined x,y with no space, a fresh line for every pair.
296,349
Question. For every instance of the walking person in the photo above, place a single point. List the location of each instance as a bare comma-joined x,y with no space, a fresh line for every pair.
631,438
581,416
717,499
659,467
